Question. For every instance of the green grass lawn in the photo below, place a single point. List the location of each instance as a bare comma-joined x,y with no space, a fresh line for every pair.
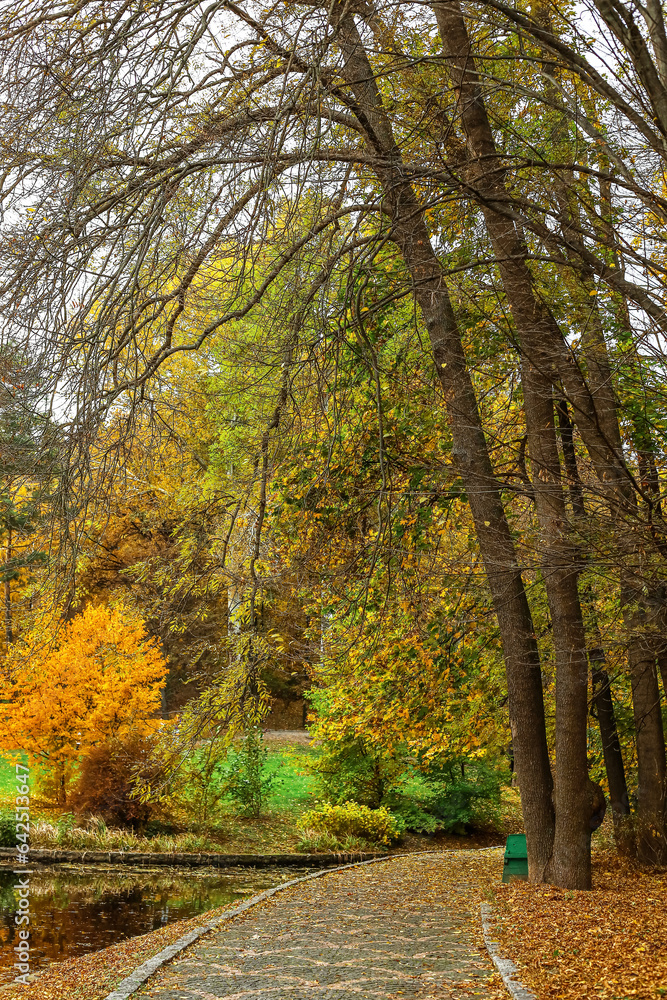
293,791
295,788
7,781
174,827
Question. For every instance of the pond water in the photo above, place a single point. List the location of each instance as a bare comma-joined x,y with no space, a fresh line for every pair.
76,909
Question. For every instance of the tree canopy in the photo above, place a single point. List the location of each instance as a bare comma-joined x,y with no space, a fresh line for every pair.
355,315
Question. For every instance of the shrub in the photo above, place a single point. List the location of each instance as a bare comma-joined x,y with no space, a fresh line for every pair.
471,792
312,842
350,819
107,781
415,815
65,825
451,795
351,771
195,790
7,830
246,779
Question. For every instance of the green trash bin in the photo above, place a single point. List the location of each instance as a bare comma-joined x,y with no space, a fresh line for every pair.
516,858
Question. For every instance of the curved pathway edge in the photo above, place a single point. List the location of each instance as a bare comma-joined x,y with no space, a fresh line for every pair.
136,979
131,983
505,966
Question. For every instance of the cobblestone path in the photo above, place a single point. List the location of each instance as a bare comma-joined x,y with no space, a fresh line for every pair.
380,931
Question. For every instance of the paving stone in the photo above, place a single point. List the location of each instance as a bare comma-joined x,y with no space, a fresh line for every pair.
364,932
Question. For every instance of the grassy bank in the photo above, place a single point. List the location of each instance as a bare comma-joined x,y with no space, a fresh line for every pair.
274,831
176,826
7,783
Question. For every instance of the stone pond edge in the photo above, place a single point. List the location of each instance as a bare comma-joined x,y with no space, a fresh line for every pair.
505,966
141,858
131,983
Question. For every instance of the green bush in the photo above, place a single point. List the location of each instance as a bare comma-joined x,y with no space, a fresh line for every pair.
7,830
415,815
312,842
453,795
66,823
245,777
350,819
196,790
351,771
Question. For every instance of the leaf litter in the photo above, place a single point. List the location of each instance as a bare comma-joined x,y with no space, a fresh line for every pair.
607,944
93,976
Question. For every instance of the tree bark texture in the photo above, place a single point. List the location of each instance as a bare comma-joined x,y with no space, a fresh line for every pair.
651,770
645,640
611,749
571,857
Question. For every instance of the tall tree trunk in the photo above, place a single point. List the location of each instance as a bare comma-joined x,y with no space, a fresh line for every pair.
602,700
641,620
469,450
571,859
651,770
542,340
645,627
611,749
61,783
560,567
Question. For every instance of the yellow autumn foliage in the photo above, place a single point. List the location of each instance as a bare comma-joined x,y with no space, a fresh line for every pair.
99,680
350,819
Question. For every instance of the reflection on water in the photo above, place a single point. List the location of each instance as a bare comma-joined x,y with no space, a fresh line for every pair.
76,909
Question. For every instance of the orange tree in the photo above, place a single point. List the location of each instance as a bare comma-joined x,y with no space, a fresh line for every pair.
99,680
